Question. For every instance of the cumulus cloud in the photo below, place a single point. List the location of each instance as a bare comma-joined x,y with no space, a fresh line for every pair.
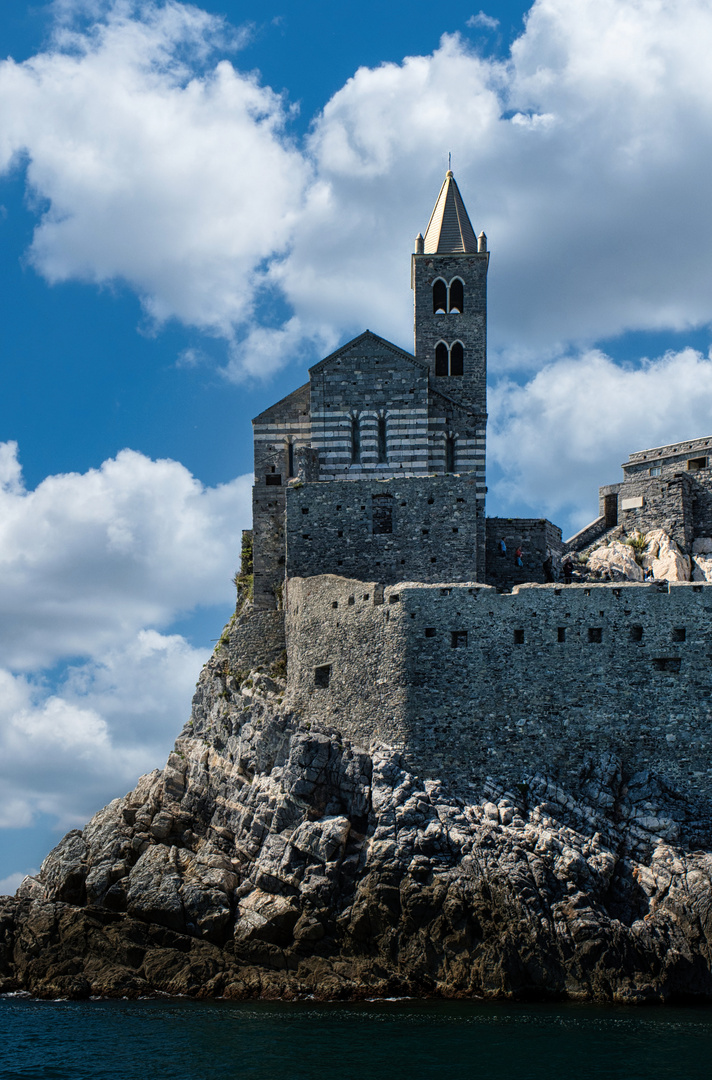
569,428
176,179
94,568
66,753
584,156
87,560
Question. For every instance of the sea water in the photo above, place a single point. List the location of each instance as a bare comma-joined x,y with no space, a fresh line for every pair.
393,1040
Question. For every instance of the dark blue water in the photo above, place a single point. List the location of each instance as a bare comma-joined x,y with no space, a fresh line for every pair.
400,1040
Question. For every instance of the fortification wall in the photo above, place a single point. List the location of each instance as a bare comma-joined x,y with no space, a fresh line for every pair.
653,503
472,683
257,639
406,528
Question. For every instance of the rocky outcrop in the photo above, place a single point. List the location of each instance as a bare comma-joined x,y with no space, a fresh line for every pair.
272,859
654,555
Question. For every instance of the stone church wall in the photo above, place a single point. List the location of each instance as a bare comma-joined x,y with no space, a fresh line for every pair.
537,537
413,528
472,683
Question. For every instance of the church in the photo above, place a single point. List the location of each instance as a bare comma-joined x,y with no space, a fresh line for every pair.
375,468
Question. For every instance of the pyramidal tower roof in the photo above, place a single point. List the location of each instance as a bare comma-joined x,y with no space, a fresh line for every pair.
449,228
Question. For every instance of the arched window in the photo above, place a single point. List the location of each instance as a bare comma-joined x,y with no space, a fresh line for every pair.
449,359
355,440
457,358
450,454
441,358
290,459
457,296
439,297
382,441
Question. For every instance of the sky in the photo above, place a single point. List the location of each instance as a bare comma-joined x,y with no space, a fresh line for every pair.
198,202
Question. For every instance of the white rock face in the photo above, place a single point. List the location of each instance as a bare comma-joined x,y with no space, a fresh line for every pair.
702,545
618,560
664,558
702,568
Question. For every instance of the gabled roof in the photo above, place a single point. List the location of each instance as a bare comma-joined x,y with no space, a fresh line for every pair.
295,403
365,339
449,228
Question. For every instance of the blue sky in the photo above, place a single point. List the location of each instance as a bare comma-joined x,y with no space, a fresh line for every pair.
199,202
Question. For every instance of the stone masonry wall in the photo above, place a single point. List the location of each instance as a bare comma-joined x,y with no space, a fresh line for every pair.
333,528
472,683
537,537
656,504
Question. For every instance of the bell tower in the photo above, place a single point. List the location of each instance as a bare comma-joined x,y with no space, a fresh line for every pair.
449,280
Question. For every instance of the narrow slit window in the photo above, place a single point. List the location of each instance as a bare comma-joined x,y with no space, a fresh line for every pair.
561,635
450,454
290,459
457,297
518,637
382,441
439,297
355,440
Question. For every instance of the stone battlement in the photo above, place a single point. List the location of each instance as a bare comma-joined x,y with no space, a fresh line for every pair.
470,682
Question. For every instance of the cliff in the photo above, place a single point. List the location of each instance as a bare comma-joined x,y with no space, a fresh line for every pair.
272,857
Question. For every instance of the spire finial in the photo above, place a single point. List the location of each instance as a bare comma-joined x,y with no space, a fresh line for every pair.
449,161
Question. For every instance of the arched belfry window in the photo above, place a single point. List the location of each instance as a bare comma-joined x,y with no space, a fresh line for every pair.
450,454
439,297
456,296
449,359
382,440
355,439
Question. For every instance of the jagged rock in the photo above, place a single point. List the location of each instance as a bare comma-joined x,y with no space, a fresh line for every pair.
271,860
664,558
618,560
702,568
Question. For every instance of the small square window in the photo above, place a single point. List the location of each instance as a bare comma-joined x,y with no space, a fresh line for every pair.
273,479
430,631
394,598
636,633
656,470
595,635
335,603
322,676
679,633
458,639
305,509
352,601
340,532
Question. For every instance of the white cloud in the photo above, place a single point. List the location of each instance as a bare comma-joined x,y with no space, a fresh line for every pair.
567,430
482,21
92,565
87,560
66,753
175,179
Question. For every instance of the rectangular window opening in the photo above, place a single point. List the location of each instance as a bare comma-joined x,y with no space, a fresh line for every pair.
695,464
430,631
518,636
322,676
679,633
458,639
636,633
561,634
667,663
273,479
595,635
